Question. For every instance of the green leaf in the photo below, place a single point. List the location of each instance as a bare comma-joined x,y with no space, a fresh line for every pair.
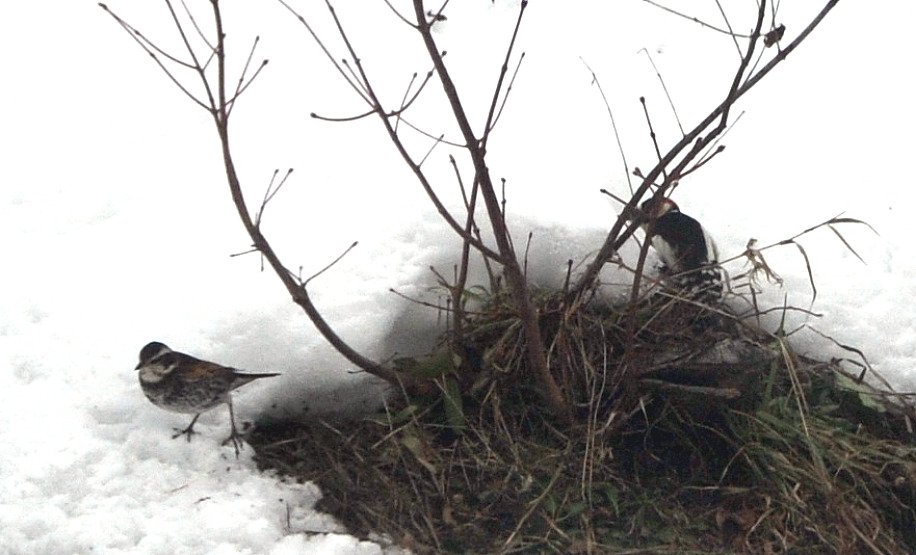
862,392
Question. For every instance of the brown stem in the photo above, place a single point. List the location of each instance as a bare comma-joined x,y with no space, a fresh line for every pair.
463,267
518,288
299,294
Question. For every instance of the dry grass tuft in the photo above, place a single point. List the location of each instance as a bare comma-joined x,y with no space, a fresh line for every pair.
694,433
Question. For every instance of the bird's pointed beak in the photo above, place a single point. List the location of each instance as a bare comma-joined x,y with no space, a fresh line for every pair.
139,364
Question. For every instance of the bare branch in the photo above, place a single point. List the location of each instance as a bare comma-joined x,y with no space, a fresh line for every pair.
462,278
405,104
150,49
399,15
488,126
187,44
664,88
241,85
427,304
270,192
430,151
517,287
246,85
695,20
356,79
404,100
356,87
328,267
610,113
712,150
730,30
704,160
373,101
471,206
344,118
615,237
200,33
291,283
618,199
502,105
429,135
658,153
219,113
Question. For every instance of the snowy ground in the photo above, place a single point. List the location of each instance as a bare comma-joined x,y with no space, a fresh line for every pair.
117,231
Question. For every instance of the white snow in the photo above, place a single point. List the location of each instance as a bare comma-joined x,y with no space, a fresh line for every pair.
117,229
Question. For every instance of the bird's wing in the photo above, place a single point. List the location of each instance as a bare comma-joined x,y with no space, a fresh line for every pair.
682,230
196,369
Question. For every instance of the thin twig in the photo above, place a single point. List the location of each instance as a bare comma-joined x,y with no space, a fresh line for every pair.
399,15
502,105
191,52
488,126
429,135
254,46
430,151
353,84
664,88
270,192
610,113
658,153
328,267
293,285
712,150
343,118
247,84
695,20
404,99
148,47
373,101
730,30
427,304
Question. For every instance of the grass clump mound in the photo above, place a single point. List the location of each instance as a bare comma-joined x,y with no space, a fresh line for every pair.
692,432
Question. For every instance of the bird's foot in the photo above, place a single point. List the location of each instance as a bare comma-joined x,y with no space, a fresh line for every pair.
237,441
189,431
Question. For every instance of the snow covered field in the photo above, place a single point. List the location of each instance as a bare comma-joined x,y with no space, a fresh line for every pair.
117,229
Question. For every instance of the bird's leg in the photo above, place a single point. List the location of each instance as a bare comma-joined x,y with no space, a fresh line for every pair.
187,431
235,436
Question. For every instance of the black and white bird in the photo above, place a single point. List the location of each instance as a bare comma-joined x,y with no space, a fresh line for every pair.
689,257
181,383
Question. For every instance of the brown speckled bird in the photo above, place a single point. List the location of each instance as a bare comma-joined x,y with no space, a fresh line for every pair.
181,383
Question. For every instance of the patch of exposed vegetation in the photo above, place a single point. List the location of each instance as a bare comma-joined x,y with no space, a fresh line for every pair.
705,435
